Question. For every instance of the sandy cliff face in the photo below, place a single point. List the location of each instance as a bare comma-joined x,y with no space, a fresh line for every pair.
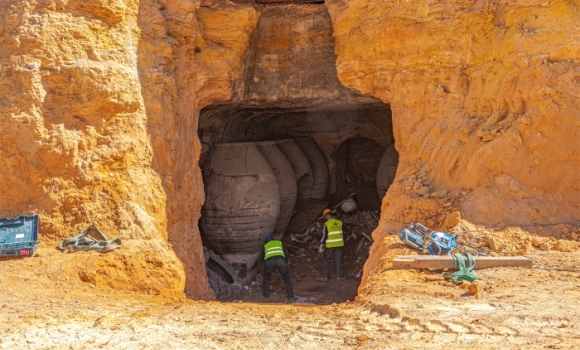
100,99
74,143
189,56
98,113
485,101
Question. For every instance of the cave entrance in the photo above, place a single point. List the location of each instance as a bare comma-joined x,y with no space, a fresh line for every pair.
291,141
351,142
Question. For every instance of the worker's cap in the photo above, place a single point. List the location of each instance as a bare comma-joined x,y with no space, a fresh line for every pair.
326,211
268,238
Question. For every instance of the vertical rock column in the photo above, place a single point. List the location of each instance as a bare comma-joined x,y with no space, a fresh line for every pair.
485,105
189,57
74,143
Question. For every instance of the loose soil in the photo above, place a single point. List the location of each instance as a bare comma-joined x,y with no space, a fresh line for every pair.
397,309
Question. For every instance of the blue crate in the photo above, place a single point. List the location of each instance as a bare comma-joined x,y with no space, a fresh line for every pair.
19,237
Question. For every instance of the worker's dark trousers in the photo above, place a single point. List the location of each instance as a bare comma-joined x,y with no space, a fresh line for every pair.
328,253
281,264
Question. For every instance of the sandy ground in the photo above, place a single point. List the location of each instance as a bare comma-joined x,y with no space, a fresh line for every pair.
399,309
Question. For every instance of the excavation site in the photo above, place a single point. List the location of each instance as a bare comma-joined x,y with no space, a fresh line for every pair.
304,174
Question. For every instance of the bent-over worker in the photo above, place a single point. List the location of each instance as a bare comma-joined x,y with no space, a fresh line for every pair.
276,258
331,243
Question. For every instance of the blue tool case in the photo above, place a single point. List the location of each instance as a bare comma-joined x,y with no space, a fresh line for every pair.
19,237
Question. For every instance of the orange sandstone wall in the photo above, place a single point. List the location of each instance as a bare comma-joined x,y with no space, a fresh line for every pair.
485,98
99,103
74,145
100,99
189,55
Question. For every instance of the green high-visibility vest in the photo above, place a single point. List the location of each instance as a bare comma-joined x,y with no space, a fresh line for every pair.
273,248
335,237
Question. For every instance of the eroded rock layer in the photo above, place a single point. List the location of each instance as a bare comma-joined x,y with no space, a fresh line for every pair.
74,143
100,101
189,57
98,115
485,103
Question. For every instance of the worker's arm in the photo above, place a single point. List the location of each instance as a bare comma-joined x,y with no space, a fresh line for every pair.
323,239
324,235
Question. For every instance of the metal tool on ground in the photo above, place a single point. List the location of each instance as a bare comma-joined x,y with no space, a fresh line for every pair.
84,243
416,236
442,243
413,236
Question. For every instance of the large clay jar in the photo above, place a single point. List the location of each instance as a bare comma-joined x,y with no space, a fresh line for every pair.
318,166
387,170
286,182
242,202
301,167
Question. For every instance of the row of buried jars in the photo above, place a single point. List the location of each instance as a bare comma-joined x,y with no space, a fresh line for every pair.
252,189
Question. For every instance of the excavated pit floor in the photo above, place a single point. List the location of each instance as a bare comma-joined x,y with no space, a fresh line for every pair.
400,309
306,266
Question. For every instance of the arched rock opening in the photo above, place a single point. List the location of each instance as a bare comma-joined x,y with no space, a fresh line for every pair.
352,140
289,90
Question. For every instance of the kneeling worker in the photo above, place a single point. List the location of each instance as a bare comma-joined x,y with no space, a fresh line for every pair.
276,258
331,243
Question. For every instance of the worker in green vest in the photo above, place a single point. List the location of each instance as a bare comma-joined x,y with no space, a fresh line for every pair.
331,244
276,258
